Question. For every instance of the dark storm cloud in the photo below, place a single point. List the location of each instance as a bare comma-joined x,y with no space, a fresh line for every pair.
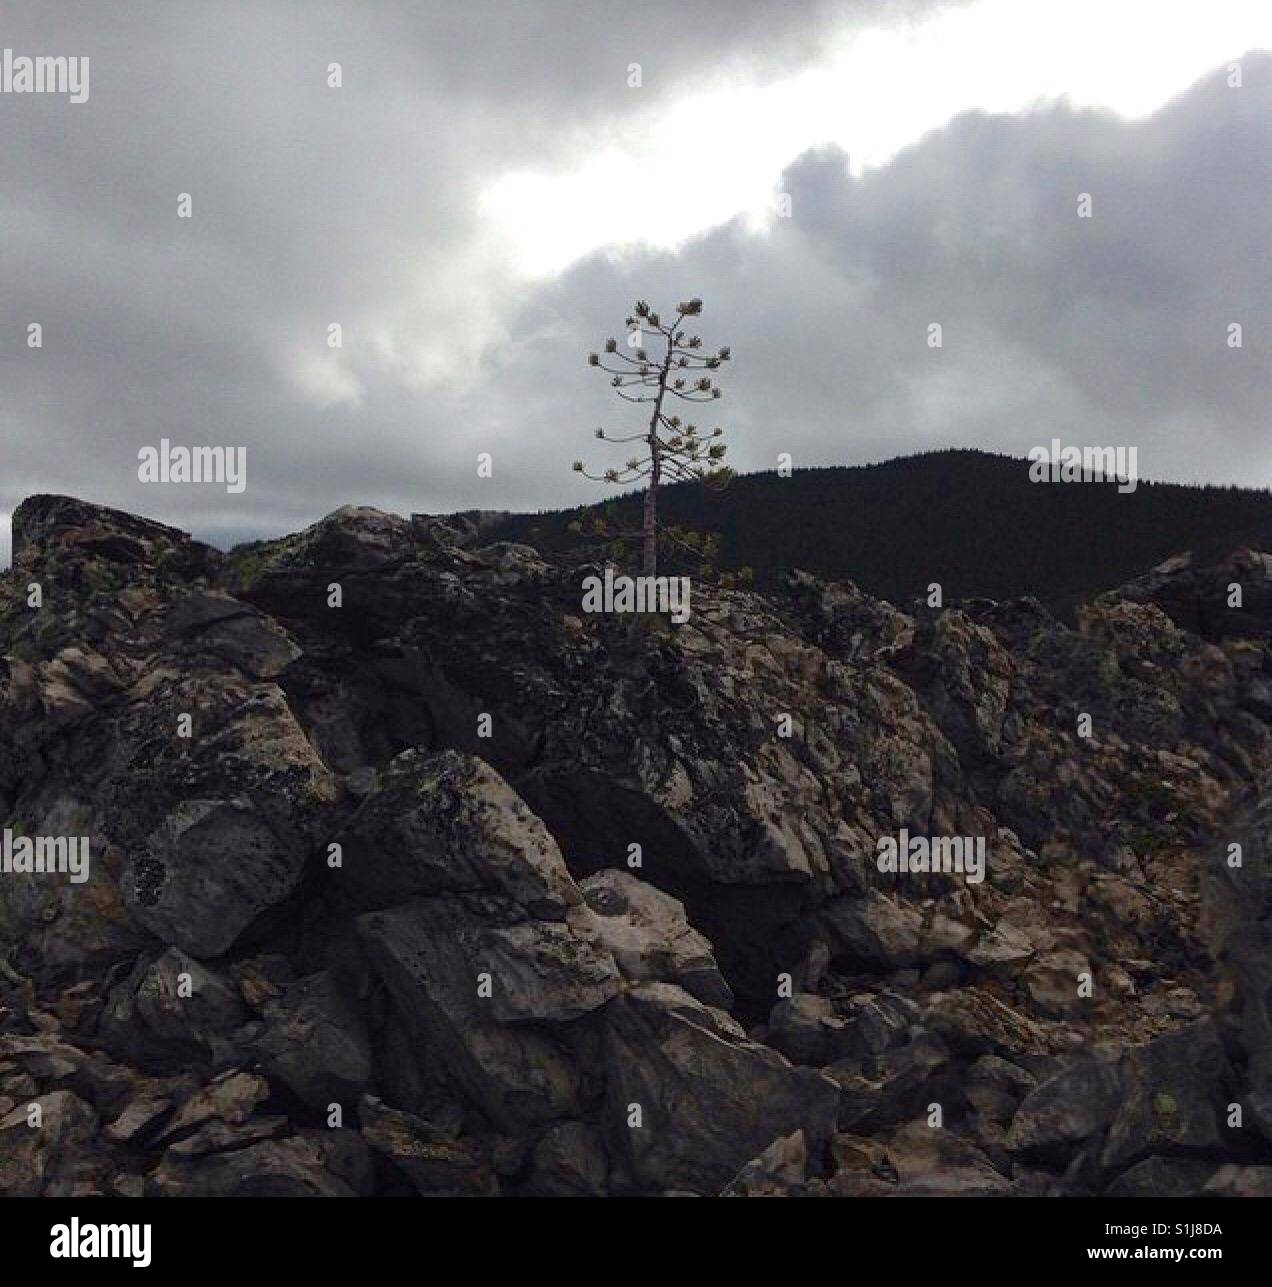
357,206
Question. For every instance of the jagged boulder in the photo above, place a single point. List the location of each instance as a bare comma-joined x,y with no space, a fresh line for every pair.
779,1171
173,1008
209,871
1175,1099
875,931
483,987
817,1030
315,1042
1199,598
212,622
450,824
1069,1108
689,1099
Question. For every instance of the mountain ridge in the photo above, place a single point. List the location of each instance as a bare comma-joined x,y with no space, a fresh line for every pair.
967,519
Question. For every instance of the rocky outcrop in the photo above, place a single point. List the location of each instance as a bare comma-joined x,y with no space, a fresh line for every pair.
406,875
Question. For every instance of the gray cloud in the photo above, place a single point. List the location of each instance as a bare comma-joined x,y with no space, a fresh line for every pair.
1108,330
357,206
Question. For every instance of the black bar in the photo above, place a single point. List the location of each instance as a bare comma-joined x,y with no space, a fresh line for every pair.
848,1237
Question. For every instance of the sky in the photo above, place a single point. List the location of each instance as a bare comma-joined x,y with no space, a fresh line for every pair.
1074,191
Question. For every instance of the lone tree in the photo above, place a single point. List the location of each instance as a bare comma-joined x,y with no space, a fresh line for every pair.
674,451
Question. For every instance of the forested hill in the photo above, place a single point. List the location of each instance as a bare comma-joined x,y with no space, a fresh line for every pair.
971,520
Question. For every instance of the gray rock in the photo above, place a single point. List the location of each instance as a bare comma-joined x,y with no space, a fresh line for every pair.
450,824
216,1136
315,1042
175,1008
777,1172
816,1031
54,1157
650,938
231,1098
435,1160
310,1164
1162,1177
709,1099
475,980
1074,1105
569,1161
875,931
138,1117
1176,1092
208,873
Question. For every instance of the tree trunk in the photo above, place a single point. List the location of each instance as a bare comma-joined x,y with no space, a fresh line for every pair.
649,523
